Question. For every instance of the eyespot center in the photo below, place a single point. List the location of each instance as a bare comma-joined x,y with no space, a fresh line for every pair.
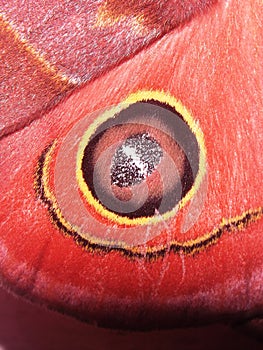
135,160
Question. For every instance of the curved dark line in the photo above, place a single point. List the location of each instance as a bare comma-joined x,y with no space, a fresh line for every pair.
149,255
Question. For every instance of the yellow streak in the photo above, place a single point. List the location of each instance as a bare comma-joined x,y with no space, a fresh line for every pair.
108,18
43,63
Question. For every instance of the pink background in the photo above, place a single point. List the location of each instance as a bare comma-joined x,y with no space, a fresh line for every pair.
27,326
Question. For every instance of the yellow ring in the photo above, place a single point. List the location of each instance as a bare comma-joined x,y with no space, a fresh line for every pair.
138,97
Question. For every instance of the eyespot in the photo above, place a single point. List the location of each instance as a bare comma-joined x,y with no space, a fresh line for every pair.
119,178
139,161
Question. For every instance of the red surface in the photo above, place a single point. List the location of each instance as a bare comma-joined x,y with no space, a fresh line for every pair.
218,78
55,46
27,86
72,36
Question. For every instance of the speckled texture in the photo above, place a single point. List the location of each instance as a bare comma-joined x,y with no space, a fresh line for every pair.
134,160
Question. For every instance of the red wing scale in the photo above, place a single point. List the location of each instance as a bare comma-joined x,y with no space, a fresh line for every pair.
131,162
